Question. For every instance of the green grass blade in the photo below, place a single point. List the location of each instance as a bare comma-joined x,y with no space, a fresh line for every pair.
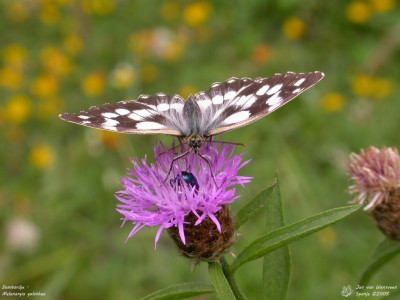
181,291
219,282
291,233
385,251
254,206
276,265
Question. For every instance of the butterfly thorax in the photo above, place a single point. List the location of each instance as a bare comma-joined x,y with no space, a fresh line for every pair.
192,115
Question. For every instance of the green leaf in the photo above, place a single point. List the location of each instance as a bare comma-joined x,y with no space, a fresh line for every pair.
219,282
181,291
385,251
254,206
276,266
285,235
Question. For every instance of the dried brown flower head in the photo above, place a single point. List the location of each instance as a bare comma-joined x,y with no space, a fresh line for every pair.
376,176
204,242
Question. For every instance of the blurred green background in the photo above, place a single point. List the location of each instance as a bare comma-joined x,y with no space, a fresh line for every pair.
61,233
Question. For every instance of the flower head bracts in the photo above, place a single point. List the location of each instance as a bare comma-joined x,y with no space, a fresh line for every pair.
376,174
150,200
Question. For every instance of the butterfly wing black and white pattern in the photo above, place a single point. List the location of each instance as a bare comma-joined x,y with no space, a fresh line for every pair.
224,107
159,114
238,102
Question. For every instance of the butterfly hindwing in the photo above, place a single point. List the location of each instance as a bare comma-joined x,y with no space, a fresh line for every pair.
246,100
159,114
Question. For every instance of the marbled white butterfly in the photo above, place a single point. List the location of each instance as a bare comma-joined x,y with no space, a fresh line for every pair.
224,107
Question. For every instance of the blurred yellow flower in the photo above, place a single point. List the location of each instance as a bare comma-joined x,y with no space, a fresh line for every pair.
170,10
122,76
10,78
381,6
110,139
196,13
18,11
367,86
362,85
98,7
293,28
42,156
55,61
333,102
358,12
14,55
49,13
73,44
93,84
382,88
148,73
261,54
187,90
46,85
49,107
327,237
17,109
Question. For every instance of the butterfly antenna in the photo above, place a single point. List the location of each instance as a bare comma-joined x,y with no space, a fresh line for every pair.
158,154
174,148
230,143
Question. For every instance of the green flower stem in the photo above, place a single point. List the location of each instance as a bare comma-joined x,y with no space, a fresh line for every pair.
231,279
219,282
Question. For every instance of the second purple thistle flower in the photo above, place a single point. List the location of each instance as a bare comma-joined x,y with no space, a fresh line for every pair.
188,204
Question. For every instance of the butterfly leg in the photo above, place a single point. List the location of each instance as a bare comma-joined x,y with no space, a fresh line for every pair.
175,159
209,165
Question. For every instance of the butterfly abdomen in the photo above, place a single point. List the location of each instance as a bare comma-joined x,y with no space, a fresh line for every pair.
192,115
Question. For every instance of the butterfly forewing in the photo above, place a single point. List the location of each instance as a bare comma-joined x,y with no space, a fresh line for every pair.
246,100
159,114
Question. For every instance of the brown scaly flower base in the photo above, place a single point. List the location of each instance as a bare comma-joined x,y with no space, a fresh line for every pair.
387,215
204,241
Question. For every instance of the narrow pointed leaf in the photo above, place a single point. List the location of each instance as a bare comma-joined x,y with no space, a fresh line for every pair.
285,235
219,282
276,266
385,251
181,291
254,206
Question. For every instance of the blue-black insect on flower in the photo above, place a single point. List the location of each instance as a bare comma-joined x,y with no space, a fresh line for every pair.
189,178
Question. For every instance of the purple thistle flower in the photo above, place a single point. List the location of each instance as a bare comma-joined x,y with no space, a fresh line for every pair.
176,204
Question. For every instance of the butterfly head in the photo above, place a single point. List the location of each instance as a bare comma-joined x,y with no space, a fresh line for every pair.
194,142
